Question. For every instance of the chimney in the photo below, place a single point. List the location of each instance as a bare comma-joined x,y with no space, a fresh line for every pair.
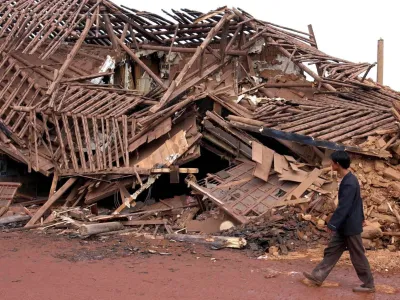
379,75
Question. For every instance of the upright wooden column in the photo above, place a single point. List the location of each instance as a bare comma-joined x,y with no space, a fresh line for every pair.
379,75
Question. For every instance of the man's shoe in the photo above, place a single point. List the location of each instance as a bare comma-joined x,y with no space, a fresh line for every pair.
364,289
312,279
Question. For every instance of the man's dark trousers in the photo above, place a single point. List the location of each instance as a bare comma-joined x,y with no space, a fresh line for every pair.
338,244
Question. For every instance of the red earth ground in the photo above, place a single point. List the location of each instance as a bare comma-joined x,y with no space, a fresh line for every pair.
47,267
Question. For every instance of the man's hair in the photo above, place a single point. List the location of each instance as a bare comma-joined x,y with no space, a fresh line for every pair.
341,158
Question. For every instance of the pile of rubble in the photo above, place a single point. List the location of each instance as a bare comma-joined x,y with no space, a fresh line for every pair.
108,101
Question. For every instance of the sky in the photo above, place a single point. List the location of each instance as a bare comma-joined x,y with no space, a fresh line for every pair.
347,29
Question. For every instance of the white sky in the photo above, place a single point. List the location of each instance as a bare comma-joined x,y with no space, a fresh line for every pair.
348,29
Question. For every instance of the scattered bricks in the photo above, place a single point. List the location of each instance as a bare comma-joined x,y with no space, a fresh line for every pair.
383,208
371,232
377,183
368,244
367,169
395,186
362,179
379,165
273,250
392,174
378,199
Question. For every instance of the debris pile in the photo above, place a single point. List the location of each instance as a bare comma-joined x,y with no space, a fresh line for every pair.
125,109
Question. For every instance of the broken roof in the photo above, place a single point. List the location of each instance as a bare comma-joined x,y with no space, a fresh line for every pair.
75,72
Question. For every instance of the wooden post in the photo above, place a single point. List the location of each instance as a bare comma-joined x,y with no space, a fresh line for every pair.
142,64
51,201
379,73
200,49
72,195
216,241
12,219
70,57
53,184
109,29
90,229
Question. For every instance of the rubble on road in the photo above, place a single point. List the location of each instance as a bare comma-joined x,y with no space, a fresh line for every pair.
216,124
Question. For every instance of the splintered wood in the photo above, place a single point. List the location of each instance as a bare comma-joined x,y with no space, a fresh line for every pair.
108,99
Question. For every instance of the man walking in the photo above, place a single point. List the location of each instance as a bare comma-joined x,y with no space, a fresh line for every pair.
346,227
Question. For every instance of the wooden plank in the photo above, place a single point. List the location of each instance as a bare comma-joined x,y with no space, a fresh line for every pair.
61,142
53,184
14,218
7,193
51,201
96,142
86,134
299,191
71,196
142,64
123,193
125,137
188,65
257,152
219,203
280,163
46,129
70,57
35,140
109,28
79,141
121,144
290,202
264,163
144,222
109,148
133,197
70,142
115,142
103,141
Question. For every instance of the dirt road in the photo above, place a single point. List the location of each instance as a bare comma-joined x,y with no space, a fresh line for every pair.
38,267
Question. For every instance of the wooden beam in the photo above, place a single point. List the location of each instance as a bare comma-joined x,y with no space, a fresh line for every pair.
142,64
186,68
70,57
87,77
137,27
219,203
108,26
188,50
53,184
143,222
133,197
51,201
299,191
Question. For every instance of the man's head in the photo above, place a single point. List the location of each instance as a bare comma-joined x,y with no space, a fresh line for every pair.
340,160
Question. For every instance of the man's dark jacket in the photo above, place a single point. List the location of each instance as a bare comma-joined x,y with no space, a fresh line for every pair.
349,215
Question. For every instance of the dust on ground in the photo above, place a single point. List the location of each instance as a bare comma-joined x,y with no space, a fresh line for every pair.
380,260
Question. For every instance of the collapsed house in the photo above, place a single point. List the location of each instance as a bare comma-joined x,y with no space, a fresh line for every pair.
106,99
